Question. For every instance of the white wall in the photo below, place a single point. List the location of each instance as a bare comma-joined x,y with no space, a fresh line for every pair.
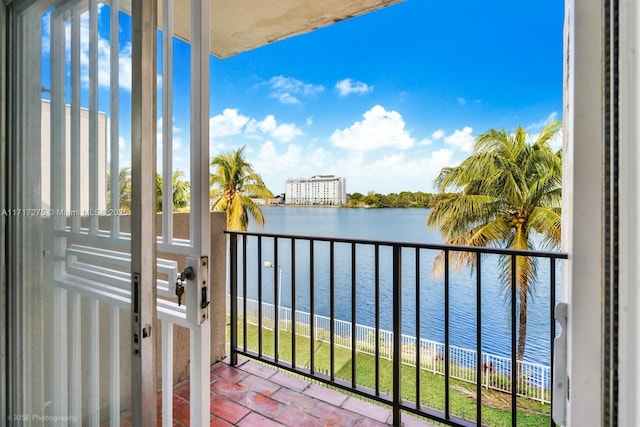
629,187
582,210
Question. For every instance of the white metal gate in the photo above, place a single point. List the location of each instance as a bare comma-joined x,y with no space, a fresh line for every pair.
99,259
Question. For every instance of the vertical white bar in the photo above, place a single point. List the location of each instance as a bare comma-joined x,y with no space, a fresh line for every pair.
114,366
167,373
75,118
59,379
94,363
200,28
114,120
75,360
167,120
199,228
143,203
93,116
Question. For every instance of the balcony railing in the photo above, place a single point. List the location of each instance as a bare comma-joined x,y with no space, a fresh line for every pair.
373,303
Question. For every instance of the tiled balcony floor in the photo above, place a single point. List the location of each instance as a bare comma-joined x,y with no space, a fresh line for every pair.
252,394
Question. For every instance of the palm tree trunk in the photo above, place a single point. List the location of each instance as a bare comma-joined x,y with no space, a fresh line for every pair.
522,326
522,335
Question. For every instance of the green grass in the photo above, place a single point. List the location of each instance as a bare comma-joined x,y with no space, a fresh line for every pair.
462,396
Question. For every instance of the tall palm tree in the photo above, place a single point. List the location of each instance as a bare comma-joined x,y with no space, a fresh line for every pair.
504,194
233,183
124,190
180,191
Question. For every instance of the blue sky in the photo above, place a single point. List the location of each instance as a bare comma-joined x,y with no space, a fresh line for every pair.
386,99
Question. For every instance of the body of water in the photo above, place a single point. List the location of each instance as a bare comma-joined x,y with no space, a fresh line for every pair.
397,225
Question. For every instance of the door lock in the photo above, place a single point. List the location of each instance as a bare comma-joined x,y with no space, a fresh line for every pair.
187,274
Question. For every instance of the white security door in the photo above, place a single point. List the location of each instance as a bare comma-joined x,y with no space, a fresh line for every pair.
103,276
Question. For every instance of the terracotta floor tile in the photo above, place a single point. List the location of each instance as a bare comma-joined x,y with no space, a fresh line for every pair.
288,381
326,395
181,413
259,385
183,390
218,422
368,422
367,409
293,398
257,395
229,389
226,409
257,420
337,416
230,373
293,417
262,404
256,368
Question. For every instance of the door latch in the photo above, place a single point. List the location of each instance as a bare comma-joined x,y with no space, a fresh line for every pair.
187,274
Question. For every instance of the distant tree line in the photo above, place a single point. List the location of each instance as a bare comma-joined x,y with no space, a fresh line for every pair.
404,199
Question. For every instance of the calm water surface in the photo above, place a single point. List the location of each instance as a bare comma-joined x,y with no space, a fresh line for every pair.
398,225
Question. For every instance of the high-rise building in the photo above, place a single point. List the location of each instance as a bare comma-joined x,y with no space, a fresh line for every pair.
317,190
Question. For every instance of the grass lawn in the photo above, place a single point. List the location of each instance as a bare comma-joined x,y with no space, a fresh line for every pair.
496,408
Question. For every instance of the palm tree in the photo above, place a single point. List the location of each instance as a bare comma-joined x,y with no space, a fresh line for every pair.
124,190
180,191
504,194
233,184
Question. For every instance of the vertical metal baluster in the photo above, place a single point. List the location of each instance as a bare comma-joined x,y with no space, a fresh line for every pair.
276,301
332,328
479,367
397,334
417,285
552,306
233,278
446,335
245,241
312,307
167,374
59,340
514,362
114,366
76,159
293,303
93,117
167,121
353,315
260,296
377,317
114,116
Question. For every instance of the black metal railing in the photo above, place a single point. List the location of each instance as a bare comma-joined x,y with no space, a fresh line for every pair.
334,279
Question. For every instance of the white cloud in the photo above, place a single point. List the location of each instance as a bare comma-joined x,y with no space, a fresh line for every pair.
461,139
416,173
288,89
348,86
462,101
542,123
283,132
228,123
287,98
379,129
231,123
121,142
438,134
176,141
103,51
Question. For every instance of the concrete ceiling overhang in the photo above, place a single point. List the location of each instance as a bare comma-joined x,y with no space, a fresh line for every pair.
241,25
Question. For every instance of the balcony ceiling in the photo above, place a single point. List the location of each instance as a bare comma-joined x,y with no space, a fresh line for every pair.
240,25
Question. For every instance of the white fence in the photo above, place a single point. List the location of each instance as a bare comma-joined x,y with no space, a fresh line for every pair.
534,383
